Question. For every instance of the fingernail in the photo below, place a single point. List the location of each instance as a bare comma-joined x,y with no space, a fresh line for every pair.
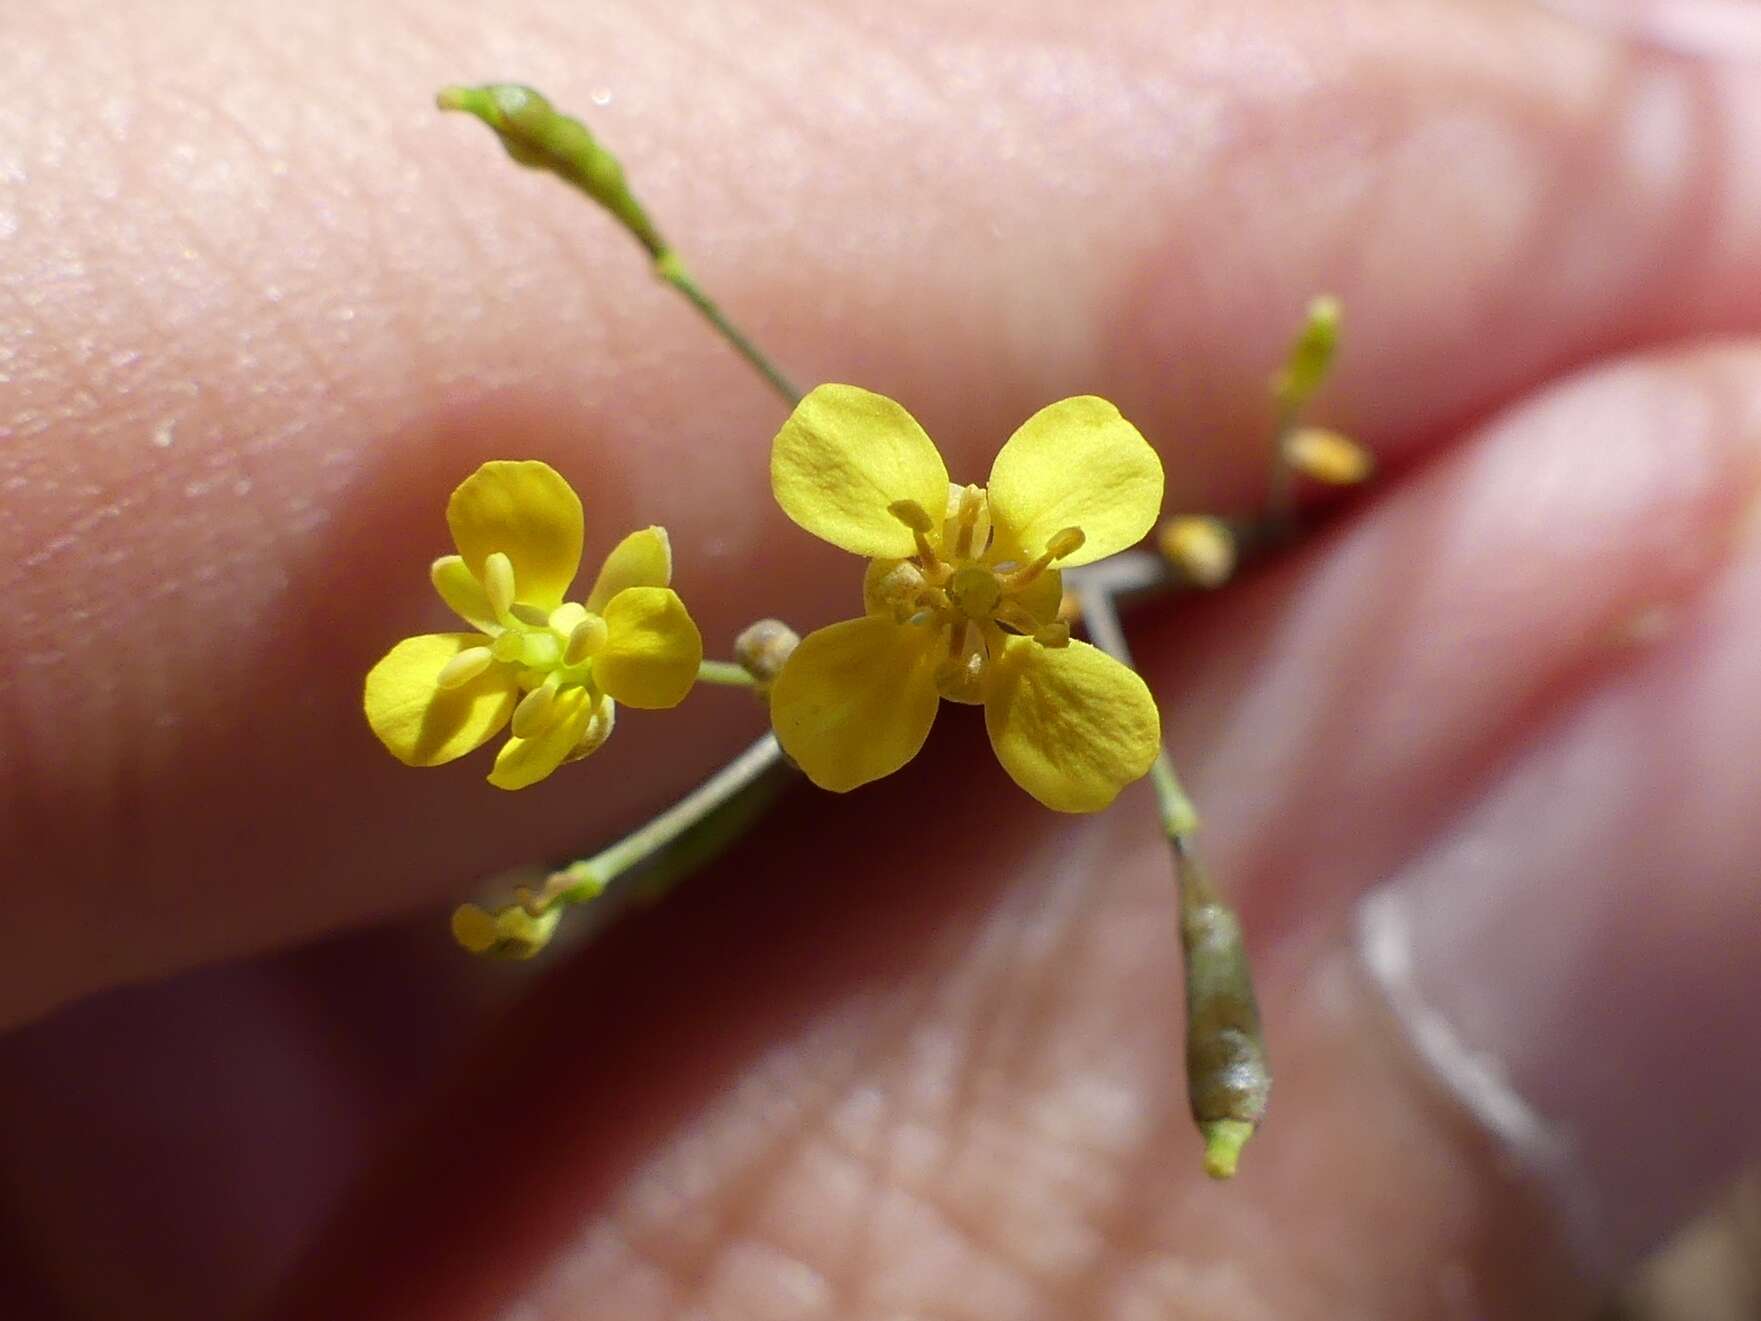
1730,29
1578,956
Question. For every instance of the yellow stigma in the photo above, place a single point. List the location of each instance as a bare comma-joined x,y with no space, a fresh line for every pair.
975,591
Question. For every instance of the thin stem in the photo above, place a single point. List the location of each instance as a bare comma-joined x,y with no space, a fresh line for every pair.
1228,1078
1281,486
671,268
725,673
715,801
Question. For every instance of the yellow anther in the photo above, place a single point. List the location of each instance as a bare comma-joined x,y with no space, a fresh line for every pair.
533,616
975,592
1066,542
1055,634
498,583
587,638
532,715
563,619
911,514
969,535
915,517
1201,547
1327,456
508,647
464,667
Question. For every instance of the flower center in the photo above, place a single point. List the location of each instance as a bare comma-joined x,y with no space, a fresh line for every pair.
956,585
553,651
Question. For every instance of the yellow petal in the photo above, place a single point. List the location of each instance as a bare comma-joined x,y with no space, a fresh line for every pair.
459,588
525,761
529,513
652,649
1071,725
844,455
1076,463
423,724
856,700
642,559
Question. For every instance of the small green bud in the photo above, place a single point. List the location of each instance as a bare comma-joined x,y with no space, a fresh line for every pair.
538,135
1311,355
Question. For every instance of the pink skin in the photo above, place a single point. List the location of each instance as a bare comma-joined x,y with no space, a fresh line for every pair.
260,308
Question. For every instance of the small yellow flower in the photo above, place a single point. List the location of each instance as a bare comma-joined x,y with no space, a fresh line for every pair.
961,597
553,668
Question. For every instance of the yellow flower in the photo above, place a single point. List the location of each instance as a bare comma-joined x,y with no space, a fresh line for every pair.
961,597
554,668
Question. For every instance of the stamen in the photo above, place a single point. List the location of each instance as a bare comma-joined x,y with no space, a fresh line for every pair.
498,583
509,647
532,715
531,615
1054,635
464,667
915,517
911,514
1019,618
1066,542
966,520
589,636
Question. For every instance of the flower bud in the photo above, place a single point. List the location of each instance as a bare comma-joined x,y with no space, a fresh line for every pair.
536,134
1310,357
762,648
508,933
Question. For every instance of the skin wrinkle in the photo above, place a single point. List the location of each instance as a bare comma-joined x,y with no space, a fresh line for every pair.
762,1168
950,1212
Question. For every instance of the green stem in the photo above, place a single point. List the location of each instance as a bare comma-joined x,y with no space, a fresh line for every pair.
725,673
1228,1078
1281,488
541,137
707,818
671,268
